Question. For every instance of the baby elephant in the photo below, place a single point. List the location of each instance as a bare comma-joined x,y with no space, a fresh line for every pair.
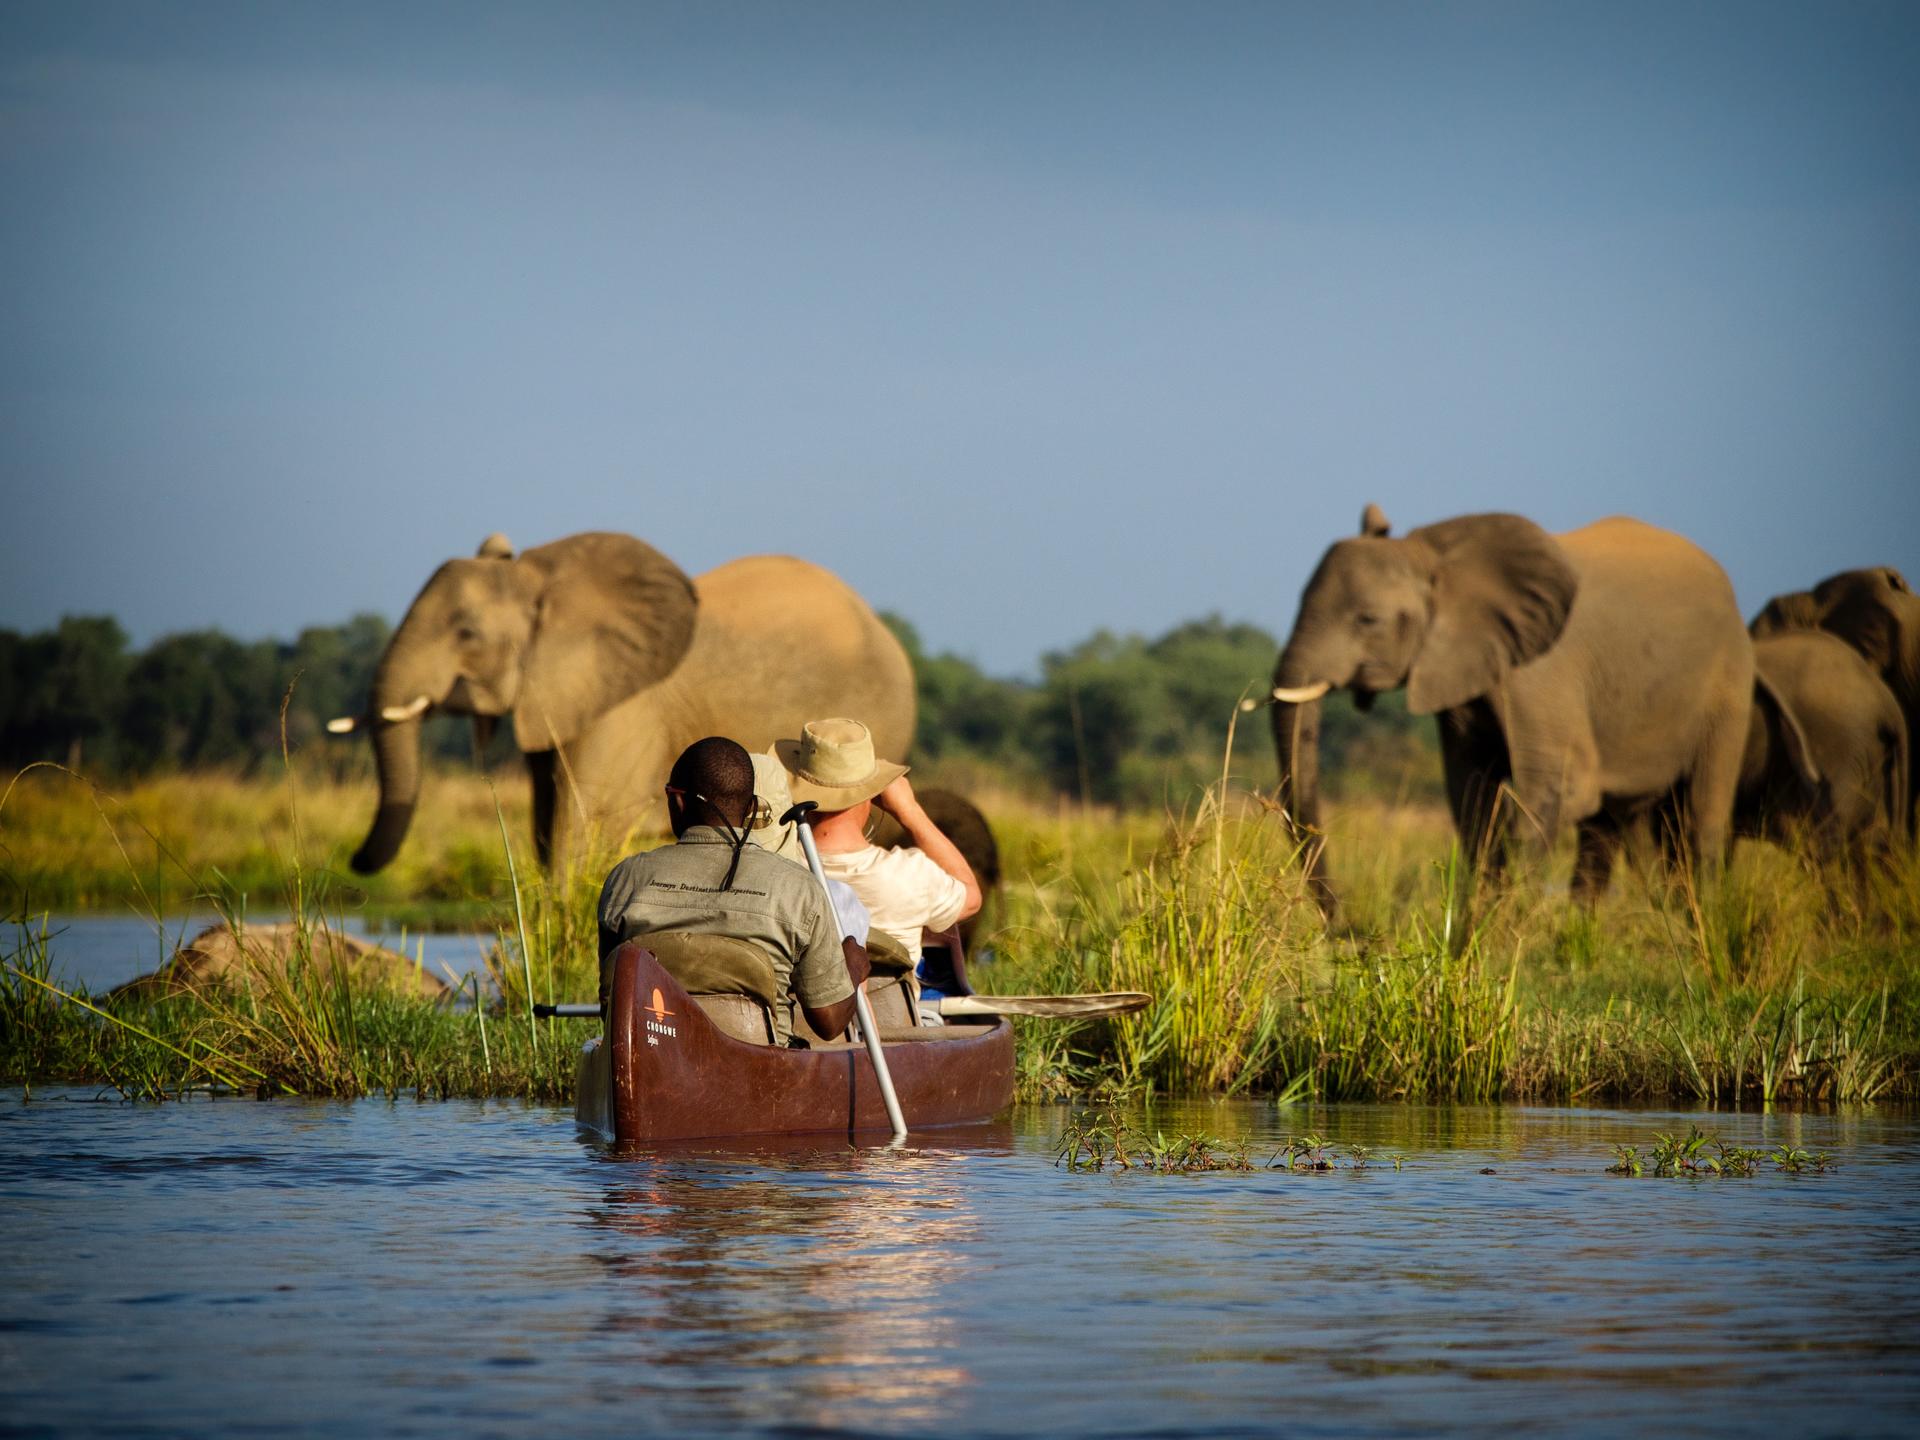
1827,747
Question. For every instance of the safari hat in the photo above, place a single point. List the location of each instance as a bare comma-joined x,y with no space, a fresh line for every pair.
770,784
833,764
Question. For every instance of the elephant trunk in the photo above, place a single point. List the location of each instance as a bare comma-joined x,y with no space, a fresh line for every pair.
395,717
1296,739
396,754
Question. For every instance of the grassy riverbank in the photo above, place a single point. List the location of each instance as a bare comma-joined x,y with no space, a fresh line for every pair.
1781,984
173,841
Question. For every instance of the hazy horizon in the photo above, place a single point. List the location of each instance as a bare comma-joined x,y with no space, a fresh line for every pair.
1028,321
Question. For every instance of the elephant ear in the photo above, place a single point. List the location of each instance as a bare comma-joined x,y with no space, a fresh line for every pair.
1795,611
1785,727
613,616
1502,589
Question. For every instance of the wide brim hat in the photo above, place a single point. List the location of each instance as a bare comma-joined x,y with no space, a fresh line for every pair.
770,784
833,764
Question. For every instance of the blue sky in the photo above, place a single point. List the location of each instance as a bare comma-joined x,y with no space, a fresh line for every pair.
1027,319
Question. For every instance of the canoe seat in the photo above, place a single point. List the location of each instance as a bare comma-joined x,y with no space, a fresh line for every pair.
732,980
891,988
888,955
890,991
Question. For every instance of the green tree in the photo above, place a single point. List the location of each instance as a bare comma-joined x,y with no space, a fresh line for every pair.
68,685
331,669
202,698
963,712
1102,708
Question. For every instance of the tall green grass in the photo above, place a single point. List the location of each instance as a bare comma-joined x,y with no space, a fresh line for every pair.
1789,979
1786,981
304,1027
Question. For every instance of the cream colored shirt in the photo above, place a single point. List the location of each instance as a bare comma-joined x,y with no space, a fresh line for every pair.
902,889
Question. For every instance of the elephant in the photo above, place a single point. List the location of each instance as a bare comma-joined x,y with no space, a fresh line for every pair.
611,661
1827,747
1574,678
1875,611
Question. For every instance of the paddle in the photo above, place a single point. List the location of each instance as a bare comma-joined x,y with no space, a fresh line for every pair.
1049,1007
1053,1007
869,1031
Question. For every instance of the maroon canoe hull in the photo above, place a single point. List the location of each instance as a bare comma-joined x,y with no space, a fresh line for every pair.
663,1071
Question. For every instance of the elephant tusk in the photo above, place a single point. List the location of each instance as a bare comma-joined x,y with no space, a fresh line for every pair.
394,714
343,725
1301,694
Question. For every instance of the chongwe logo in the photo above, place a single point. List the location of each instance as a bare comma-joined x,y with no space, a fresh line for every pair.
657,1014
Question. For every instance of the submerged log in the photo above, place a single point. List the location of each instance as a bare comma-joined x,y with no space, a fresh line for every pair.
217,957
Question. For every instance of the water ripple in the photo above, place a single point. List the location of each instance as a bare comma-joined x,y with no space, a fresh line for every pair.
465,1270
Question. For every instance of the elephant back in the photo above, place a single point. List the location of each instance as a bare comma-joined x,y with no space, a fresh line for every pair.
1629,568
781,641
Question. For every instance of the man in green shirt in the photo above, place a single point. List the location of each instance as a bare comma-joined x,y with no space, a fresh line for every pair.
710,881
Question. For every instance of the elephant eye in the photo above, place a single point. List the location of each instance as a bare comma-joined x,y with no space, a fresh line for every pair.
1368,619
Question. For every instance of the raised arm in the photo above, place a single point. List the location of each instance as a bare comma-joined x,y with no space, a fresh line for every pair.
899,801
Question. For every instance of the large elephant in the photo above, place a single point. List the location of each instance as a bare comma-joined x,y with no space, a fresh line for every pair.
1876,612
1575,678
611,661
1827,747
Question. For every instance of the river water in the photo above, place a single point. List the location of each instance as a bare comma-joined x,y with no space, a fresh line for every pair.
102,951
229,1267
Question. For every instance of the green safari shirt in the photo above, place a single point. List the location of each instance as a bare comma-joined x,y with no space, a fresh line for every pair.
774,903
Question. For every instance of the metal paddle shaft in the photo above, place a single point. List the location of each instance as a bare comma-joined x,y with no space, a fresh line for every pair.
869,1031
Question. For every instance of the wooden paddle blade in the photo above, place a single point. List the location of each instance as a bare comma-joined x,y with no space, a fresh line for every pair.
1058,1007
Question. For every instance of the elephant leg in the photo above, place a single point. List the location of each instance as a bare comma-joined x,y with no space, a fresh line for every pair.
607,782
1542,796
1709,791
1474,755
540,772
1657,842
1599,838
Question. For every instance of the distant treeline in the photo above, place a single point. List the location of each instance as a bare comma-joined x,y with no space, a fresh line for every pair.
78,695
1115,719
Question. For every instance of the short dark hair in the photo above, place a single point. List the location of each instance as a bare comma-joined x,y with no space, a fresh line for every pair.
719,772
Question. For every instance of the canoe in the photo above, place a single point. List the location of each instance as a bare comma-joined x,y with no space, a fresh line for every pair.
663,1071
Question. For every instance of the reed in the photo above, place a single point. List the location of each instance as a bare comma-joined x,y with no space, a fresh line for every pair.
1788,981
303,1027
309,1034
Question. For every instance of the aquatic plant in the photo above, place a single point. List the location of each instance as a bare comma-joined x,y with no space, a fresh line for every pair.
1688,1157
1106,1140
1801,1162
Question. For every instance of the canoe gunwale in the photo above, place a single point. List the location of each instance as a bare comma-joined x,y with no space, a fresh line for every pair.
671,1074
